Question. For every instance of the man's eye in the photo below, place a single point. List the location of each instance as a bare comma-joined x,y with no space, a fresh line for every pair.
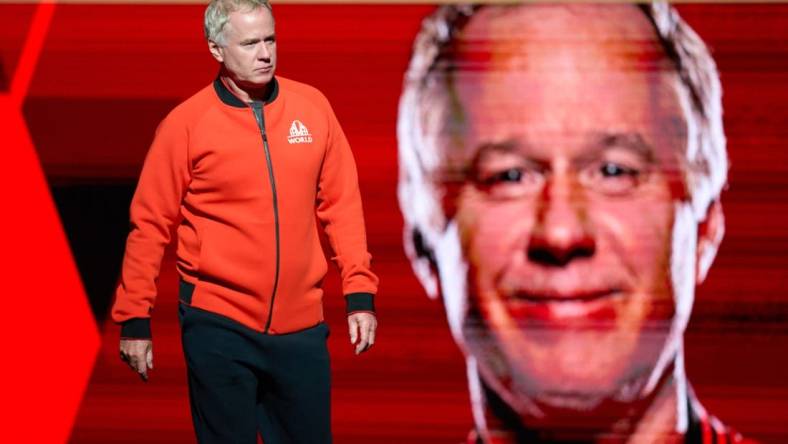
512,175
611,178
610,169
511,182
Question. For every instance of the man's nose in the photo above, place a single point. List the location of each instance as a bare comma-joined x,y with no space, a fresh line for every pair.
562,231
264,53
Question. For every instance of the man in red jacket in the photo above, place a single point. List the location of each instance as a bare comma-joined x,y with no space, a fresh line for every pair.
241,169
561,169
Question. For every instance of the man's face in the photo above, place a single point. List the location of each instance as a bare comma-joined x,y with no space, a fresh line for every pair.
570,129
248,51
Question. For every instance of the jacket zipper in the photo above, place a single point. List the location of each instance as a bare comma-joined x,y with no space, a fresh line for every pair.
257,109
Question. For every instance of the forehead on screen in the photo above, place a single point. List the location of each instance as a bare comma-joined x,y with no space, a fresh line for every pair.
562,58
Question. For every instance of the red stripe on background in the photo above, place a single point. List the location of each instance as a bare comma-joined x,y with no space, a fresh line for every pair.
32,49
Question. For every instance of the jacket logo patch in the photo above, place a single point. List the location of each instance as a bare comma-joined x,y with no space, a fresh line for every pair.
299,133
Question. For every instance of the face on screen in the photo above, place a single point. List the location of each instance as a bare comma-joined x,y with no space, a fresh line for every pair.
571,201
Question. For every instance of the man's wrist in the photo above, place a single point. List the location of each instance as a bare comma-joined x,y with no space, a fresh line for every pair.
135,328
360,302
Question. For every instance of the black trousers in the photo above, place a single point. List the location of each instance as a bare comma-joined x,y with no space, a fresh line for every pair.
243,382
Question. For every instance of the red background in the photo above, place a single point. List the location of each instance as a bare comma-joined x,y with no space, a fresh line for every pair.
108,74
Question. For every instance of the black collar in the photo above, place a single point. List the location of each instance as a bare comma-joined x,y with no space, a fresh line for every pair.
230,99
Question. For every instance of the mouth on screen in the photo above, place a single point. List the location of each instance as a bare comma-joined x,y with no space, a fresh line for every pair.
593,307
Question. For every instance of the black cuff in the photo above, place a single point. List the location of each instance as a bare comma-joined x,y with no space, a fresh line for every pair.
360,302
137,328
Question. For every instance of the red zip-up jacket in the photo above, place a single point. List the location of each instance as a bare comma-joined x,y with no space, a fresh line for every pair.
243,184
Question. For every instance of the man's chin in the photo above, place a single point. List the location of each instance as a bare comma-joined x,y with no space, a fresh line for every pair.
587,411
257,81
569,401
556,404
575,391
558,416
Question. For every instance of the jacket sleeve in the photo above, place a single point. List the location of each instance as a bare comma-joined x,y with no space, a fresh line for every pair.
155,209
340,212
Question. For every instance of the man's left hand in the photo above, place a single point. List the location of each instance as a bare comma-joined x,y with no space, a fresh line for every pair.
362,330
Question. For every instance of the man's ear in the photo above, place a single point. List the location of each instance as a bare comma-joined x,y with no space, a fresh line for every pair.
710,233
422,260
216,51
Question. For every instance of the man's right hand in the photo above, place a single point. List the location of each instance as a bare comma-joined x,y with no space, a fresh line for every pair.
138,353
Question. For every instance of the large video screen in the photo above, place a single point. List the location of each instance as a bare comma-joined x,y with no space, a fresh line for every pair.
578,212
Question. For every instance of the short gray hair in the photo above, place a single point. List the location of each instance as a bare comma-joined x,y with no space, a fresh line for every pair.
706,156
218,13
